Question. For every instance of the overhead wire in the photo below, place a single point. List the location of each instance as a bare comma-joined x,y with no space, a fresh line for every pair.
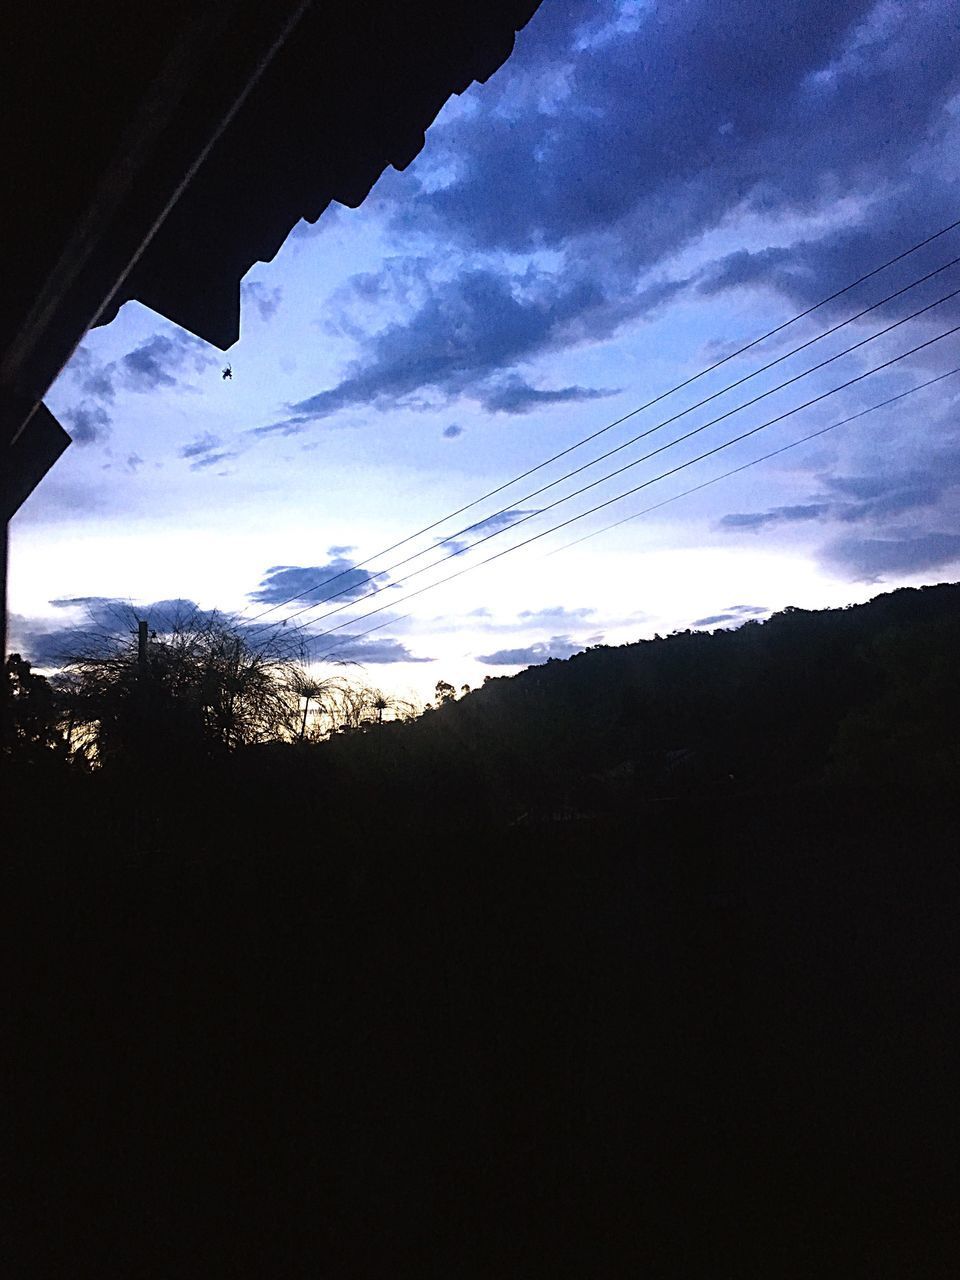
886,364
685,493
745,466
351,587
624,418
620,470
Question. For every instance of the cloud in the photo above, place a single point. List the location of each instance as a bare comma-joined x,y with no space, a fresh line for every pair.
514,395
201,446
206,451
485,528
105,620
213,460
108,620
338,578
463,333
880,496
451,432
532,655
467,329
46,647
777,515
914,478
632,132
816,267
264,298
286,427
663,126
871,559
501,520
160,362
554,614
133,463
87,422
714,618
737,613
363,651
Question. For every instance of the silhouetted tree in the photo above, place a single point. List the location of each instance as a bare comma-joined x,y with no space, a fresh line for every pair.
31,721
445,692
201,687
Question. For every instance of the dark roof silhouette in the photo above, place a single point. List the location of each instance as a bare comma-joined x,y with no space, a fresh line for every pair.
156,152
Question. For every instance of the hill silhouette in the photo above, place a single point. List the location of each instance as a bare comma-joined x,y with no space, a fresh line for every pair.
862,696
640,963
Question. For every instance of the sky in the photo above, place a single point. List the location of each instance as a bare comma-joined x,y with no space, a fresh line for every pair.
641,190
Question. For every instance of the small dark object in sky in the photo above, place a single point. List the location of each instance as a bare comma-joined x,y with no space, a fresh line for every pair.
226,373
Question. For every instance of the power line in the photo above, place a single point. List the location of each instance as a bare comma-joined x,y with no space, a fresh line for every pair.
398,564
636,462
764,457
390,622
653,480
619,421
725,475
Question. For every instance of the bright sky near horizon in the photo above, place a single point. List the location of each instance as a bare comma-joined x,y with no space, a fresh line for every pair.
642,188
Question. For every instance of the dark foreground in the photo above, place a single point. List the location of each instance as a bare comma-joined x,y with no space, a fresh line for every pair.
281,1037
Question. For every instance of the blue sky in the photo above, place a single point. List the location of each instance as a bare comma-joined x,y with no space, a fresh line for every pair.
638,191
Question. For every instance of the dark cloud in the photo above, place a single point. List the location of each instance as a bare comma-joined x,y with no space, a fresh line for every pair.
201,446
531,655
206,451
148,366
631,133
463,334
134,463
90,602
451,432
160,362
514,395
287,427
484,528
714,618
817,267
880,496
467,330
736,613
312,584
47,647
777,515
86,422
104,621
212,460
898,500
264,298
366,652
871,559
916,480
666,125
99,383
107,620
501,520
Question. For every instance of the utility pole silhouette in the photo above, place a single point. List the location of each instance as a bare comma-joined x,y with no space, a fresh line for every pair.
142,645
